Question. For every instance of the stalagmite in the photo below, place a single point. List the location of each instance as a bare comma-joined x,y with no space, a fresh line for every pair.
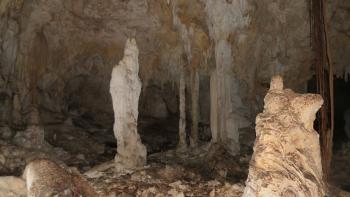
195,106
125,88
182,108
286,159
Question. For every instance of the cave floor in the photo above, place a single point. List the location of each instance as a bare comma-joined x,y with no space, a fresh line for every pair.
202,171
166,176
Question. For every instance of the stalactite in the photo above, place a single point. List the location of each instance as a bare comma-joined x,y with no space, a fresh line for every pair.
195,106
223,19
37,62
215,135
182,109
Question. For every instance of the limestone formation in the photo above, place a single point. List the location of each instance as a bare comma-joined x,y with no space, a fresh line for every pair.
286,159
125,88
225,18
215,135
195,107
75,53
182,145
46,178
12,187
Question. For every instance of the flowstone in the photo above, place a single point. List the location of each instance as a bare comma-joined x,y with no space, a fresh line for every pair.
125,88
287,158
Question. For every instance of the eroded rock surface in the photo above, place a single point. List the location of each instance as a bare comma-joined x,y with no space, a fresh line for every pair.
12,187
125,88
286,159
46,178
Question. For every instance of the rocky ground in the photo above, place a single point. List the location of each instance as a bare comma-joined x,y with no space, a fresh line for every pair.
203,171
159,179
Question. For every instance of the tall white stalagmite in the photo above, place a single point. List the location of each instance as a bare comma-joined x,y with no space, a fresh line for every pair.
182,109
125,88
287,156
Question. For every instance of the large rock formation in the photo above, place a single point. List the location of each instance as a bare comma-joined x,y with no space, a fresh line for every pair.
11,186
46,178
125,88
286,159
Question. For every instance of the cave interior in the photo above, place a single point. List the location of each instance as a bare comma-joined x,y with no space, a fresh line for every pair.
168,98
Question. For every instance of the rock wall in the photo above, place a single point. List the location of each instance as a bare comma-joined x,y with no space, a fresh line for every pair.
57,55
339,36
287,156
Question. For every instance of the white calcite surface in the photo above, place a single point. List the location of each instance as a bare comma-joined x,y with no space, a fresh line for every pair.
226,116
287,158
125,88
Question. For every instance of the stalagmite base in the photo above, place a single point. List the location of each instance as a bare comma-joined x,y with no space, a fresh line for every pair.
125,88
286,159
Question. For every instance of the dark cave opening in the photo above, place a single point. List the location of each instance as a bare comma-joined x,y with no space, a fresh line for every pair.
341,105
341,108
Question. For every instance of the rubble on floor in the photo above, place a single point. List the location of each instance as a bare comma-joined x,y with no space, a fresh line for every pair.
164,180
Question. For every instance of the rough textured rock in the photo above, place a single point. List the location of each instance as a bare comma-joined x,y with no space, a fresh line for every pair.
13,158
32,137
125,88
287,158
46,178
12,187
